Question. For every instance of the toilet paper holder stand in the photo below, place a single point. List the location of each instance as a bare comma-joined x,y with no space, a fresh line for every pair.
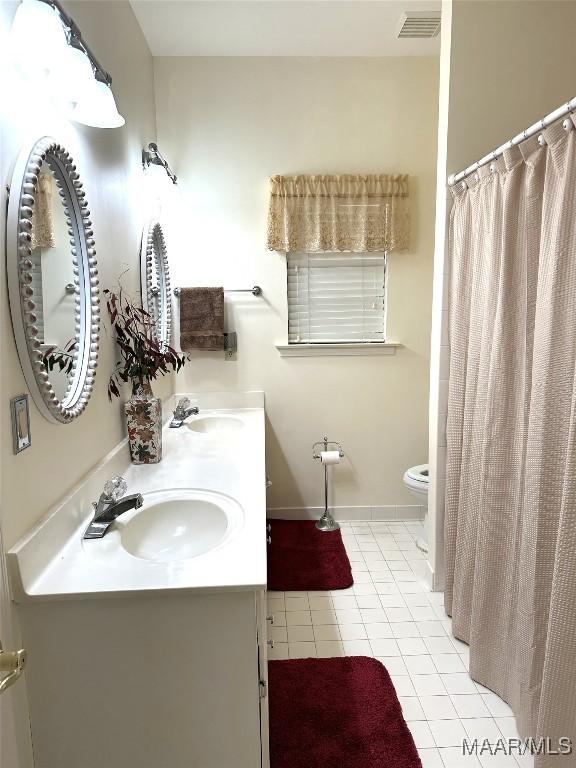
326,522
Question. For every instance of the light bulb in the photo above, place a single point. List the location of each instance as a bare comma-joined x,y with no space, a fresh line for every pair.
97,107
37,38
72,76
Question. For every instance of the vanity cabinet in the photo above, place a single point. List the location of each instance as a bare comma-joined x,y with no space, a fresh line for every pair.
173,680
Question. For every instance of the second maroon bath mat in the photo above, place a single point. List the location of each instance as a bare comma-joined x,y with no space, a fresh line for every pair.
336,713
302,558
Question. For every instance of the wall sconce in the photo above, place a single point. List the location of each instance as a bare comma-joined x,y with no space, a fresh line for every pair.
47,43
153,156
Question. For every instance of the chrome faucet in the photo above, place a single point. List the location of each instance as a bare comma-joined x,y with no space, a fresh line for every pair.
181,413
111,504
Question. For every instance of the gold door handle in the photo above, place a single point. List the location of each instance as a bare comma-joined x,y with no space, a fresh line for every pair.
12,662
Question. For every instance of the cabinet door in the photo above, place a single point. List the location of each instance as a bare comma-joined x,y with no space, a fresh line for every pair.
263,674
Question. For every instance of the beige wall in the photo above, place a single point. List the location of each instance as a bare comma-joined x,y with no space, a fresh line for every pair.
226,125
110,164
511,63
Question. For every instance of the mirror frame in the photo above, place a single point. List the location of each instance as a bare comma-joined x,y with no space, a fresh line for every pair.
154,256
21,294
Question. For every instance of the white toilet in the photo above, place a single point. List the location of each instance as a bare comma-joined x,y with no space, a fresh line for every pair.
416,480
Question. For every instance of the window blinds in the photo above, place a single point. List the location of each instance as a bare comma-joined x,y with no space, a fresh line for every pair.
336,297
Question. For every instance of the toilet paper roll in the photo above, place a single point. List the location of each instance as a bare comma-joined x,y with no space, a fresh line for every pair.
330,457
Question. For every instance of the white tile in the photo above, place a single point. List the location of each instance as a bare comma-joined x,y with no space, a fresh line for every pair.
278,652
452,757
323,617
404,629
364,589
348,615
300,634
373,615
403,685
279,619
469,705
411,708
447,733
393,601
362,577
298,618
421,734
418,599
398,614
507,726
458,682
379,630
431,628
302,650
429,685
278,634
419,665
384,647
381,577
344,601
459,645
430,758
368,601
326,632
496,706
353,632
295,594
357,648
275,604
297,604
320,603
439,645
482,728
329,648
411,646
448,662
423,614
498,761
438,708
394,665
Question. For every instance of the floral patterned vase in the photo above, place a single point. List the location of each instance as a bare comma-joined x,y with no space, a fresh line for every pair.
144,423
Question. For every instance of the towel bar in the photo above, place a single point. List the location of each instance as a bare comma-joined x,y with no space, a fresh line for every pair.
255,291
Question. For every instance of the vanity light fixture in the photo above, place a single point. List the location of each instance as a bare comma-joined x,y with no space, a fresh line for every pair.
153,156
60,56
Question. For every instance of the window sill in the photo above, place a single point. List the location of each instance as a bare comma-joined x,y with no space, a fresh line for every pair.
337,350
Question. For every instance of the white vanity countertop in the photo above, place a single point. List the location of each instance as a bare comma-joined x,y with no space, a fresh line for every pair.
54,562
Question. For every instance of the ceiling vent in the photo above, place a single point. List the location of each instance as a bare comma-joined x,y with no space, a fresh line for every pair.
419,24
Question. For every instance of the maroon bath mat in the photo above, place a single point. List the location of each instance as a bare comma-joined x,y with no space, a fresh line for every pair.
302,558
336,713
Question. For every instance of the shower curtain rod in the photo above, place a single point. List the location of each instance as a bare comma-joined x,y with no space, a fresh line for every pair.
565,109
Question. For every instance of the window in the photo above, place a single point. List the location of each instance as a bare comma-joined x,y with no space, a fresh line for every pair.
336,298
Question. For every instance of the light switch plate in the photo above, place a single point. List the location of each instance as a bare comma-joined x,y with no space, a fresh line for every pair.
21,438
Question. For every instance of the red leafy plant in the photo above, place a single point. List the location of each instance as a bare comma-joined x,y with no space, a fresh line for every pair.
142,356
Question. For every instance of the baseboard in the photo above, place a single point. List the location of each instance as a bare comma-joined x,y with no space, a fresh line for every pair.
382,513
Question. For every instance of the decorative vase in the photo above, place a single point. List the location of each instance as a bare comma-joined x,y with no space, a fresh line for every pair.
144,423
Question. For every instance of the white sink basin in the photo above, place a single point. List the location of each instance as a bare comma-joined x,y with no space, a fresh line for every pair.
179,524
215,424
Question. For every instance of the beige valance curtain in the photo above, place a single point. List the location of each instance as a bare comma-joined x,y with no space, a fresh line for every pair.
339,213
510,531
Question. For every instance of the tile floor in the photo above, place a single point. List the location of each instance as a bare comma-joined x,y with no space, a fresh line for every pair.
390,614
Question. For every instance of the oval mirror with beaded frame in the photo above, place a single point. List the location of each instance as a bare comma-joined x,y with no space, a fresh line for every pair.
23,289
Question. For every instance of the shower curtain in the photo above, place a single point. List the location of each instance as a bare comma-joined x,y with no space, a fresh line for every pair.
510,524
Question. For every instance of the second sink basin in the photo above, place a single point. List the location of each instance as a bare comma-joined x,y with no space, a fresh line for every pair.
179,524
215,424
